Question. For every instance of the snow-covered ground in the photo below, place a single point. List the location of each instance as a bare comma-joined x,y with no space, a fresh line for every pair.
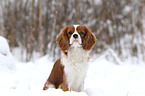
104,78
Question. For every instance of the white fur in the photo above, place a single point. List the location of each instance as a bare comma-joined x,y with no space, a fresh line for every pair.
72,39
49,86
75,66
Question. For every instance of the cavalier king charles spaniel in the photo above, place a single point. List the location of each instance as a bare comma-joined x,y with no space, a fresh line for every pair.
69,71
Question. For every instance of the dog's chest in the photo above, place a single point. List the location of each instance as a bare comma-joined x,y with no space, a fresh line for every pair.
75,67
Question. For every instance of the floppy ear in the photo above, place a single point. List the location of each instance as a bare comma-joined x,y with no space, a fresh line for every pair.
89,40
62,40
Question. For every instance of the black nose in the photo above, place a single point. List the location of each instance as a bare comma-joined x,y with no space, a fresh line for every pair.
75,36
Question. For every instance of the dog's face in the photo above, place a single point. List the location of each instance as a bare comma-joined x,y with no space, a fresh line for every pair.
76,36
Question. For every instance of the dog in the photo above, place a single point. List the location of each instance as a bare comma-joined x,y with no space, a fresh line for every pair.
69,71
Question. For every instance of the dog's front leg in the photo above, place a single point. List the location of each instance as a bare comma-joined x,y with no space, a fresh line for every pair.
64,86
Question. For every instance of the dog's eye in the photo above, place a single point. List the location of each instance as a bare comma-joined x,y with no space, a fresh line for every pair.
81,33
70,33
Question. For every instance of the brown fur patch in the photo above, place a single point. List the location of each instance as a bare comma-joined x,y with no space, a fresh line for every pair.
88,39
63,38
56,75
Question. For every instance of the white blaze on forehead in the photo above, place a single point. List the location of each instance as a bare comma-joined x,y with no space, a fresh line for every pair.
75,27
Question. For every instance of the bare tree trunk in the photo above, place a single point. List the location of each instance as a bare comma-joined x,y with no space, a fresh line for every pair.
53,30
77,5
142,30
31,39
52,33
12,34
2,33
40,29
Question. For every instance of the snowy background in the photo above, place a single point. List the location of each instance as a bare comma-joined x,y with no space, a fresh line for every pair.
29,50
104,78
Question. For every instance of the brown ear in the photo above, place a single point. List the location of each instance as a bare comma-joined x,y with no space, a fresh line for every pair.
62,40
89,40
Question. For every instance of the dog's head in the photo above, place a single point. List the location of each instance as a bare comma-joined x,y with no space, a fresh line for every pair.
76,36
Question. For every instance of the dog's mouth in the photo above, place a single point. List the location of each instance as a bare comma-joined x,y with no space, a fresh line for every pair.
76,41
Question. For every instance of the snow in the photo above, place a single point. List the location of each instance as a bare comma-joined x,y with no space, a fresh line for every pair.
98,2
127,9
104,78
4,47
6,58
116,80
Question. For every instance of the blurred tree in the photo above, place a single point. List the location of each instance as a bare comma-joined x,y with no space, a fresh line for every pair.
33,25
40,28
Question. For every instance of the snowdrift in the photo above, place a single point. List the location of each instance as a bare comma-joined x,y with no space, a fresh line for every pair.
6,59
104,78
